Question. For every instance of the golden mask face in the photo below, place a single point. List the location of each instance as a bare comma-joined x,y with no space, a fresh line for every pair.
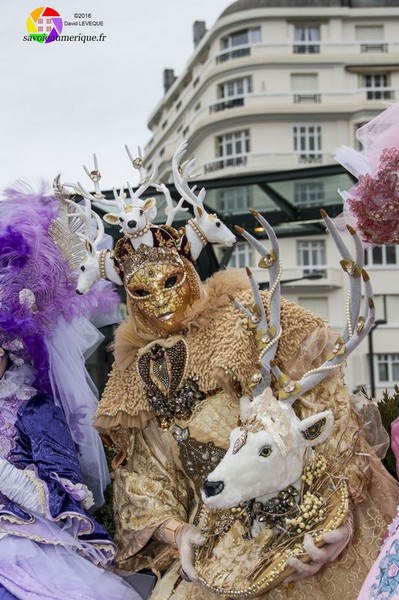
160,294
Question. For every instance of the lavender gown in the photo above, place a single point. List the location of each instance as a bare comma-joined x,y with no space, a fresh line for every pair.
58,552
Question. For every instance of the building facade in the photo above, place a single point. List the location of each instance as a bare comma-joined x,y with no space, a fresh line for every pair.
279,86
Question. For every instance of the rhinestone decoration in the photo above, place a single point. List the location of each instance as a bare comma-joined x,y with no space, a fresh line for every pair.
198,459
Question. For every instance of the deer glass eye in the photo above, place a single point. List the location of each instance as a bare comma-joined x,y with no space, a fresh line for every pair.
218,223
141,212
82,268
171,281
120,219
265,451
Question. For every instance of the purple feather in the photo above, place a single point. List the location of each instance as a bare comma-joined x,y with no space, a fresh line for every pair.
31,260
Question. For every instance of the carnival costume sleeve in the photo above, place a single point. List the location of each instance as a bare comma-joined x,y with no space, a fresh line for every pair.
45,453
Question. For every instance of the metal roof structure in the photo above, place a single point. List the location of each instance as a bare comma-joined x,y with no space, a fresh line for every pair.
274,194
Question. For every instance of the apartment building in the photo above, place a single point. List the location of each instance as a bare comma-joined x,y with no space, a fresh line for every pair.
278,86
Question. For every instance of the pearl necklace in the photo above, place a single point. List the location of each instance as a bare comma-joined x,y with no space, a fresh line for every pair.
140,232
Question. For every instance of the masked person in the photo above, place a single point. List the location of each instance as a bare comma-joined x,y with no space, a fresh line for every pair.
50,545
183,358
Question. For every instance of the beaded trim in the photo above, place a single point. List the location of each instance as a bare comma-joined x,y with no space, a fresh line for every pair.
140,232
101,264
198,231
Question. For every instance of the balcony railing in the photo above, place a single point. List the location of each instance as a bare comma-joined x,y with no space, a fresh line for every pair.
224,104
299,98
232,54
380,94
223,163
374,47
310,157
306,48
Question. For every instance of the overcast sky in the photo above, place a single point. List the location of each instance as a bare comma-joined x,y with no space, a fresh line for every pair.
61,102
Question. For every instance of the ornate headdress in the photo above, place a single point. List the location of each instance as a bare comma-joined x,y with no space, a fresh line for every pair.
372,205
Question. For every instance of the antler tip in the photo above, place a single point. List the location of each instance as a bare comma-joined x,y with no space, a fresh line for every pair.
351,230
239,229
254,212
323,213
365,275
249,272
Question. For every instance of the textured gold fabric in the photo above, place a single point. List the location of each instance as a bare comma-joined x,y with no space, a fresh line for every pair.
152,485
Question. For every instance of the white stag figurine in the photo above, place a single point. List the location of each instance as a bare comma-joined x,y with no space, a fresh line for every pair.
267,452
135,215
96,264
204,227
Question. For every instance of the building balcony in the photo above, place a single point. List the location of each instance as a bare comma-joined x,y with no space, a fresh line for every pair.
253,162
317,278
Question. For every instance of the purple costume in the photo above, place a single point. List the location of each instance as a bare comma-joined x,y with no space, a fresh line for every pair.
44,551
50,546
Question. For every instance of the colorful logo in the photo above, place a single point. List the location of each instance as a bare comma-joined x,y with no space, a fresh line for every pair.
44,24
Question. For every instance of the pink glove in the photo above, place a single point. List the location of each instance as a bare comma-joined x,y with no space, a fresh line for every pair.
335,542
188,536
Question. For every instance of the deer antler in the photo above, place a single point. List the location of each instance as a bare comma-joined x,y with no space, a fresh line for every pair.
170,209
268,331
95,176
145,180
356,329
181,174
86,214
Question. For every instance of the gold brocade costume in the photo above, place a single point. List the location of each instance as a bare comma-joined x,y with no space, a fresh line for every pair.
162,469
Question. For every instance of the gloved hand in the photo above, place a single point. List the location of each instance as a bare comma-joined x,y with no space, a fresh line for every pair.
188,536
335,542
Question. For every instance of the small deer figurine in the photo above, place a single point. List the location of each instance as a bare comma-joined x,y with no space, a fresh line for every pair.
204,227
135,215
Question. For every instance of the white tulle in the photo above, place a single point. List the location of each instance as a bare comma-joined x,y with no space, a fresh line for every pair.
39,572
74,390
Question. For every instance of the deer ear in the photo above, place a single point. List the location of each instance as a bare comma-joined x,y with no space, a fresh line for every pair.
111,218
317,428
149,204
198,212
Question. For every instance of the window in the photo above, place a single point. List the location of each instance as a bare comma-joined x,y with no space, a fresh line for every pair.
307,142
305,86
381,255
242,256
371,38
387,368
311,255
235,43
233,92
232,148
309,193
307,38
233,200
375,84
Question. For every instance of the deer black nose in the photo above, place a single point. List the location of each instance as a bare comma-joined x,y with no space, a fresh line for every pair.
131,224
213,488
79,292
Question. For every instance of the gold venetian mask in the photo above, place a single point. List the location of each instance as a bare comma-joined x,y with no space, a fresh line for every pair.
160,294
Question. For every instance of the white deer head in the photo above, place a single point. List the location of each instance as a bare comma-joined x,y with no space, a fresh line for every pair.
204,227
266,454
96,263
